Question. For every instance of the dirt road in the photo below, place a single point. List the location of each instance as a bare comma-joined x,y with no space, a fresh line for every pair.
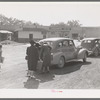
75,75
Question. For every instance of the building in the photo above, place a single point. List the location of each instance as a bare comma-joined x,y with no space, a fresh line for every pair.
23,34
26,34
5,35
74,33
58,30
8,28
83,32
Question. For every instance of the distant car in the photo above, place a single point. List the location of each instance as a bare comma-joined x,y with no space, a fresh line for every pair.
64,50
92,45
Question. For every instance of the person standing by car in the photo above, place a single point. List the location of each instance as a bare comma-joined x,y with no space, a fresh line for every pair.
38,47
45,56
0,52
32,58
1,58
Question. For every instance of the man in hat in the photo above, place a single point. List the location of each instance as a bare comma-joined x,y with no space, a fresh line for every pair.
1,55
45,56
32,58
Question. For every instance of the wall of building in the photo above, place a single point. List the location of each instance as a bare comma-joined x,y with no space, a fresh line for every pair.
51,34
74,31
85,32
23,36
91,31
58,34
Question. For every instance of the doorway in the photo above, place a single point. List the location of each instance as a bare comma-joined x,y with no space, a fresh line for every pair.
30,36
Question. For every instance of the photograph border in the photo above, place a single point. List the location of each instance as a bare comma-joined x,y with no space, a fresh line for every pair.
56,91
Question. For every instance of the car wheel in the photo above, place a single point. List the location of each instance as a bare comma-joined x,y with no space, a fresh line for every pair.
61,62
96,52
85,57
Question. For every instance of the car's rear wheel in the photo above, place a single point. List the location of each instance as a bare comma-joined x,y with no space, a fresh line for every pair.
61,62
85,57
96,52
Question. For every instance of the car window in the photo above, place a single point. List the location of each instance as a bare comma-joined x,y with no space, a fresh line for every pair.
96,41
50,43
60,44
71,43
65,43
99,41
87,41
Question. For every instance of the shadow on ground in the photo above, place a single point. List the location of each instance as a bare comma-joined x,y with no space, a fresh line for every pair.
44,77
33,83
68,68
91,56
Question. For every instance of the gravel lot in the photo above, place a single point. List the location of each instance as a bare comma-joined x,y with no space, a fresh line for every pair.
75,75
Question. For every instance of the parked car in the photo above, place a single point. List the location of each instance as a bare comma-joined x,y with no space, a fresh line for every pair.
92,45
64,50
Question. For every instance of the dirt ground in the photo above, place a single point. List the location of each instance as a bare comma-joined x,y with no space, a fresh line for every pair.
75,75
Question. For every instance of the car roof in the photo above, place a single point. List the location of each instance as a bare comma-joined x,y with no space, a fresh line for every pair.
55,39
90,39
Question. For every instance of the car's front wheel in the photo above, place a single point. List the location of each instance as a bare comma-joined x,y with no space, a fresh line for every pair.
85,57
61,62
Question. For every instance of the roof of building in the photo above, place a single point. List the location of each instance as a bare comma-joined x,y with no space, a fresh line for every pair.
34,29
11,28
5,32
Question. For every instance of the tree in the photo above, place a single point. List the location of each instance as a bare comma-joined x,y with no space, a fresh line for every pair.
74,23
13,21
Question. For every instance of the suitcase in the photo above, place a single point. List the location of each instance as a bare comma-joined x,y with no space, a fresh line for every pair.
39,65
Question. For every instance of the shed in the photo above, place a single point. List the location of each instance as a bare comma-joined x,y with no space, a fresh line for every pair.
5,35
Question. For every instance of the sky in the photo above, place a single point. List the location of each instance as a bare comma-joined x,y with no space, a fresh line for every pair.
46,13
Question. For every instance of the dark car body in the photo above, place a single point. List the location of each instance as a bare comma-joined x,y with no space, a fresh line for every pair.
92,45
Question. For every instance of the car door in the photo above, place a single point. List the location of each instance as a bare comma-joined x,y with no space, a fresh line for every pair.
72,50
64,49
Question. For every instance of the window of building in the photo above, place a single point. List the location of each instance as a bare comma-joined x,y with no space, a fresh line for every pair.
75,35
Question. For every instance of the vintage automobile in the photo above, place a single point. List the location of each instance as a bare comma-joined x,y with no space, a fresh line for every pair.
64,50
92,45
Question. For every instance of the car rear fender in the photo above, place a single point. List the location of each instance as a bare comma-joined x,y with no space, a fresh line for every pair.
56,57
81,53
